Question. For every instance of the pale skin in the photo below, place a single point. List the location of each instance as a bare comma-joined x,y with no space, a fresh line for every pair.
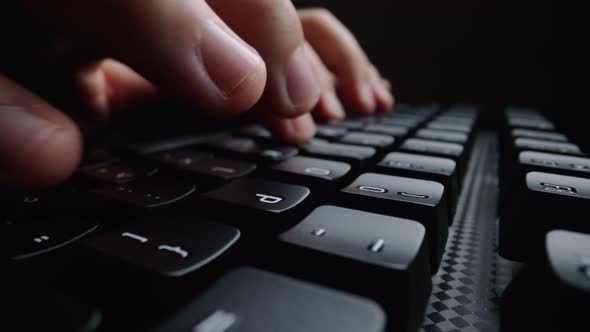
223,56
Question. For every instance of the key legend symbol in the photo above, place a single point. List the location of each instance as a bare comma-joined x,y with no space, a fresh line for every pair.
41,238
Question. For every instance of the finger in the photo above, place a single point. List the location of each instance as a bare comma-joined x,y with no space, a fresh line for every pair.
183,47
383,97
296,130
329,107
110,85
342,54
39,146
274,29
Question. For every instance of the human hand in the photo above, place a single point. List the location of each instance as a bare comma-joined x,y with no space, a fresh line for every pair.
224,56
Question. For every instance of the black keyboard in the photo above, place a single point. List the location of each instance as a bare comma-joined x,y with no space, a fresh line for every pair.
381,223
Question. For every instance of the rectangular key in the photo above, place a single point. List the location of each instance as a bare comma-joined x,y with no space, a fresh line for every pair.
377,141
332,243
118,171
256,131
438,149
443,135
171,246
313,172
255,204
536,124
354,155
142,196
539,134
542,202
250,148
385,129
442,125
410,123
521,143
441,170
420,200
27,237
330,132
250,300
352,124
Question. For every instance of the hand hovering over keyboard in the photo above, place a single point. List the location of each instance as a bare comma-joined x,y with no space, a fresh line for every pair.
223,56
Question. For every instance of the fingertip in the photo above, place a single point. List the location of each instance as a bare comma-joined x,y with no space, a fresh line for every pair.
295,130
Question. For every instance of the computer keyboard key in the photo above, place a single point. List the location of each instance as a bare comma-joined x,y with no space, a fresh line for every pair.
29,307
420,200
168,246
255,204
250,148
547,146
553,163
355,155
442,170
312,171
144,195
409,123
23,239
385,129
250,300
539,134
118,171
537,124
376,141
180,158
352,124
256,131
330,132
443,125
542,202
437,149
443,135
332,243
554,287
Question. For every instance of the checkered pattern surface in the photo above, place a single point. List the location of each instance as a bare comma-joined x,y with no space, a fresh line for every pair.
466,289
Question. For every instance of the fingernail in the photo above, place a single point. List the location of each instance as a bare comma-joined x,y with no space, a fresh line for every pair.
228,61
334,106
303,127
368,98
302,87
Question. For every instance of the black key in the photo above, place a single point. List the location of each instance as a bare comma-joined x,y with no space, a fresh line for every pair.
442,170
420,200
256,131
540,203
554,287
248,147
466,121
396,131
537,124
367,139
539,134
334,242
258,199
330,132
409,123
547,146
443,135
27,237
437,149
172,246
554,163
251,300
180,158
313,171
118,172
352,154
442,125
145,195
352,124
28,307
521,112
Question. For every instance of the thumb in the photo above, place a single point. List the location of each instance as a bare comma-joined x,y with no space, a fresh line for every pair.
181,46
39,146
